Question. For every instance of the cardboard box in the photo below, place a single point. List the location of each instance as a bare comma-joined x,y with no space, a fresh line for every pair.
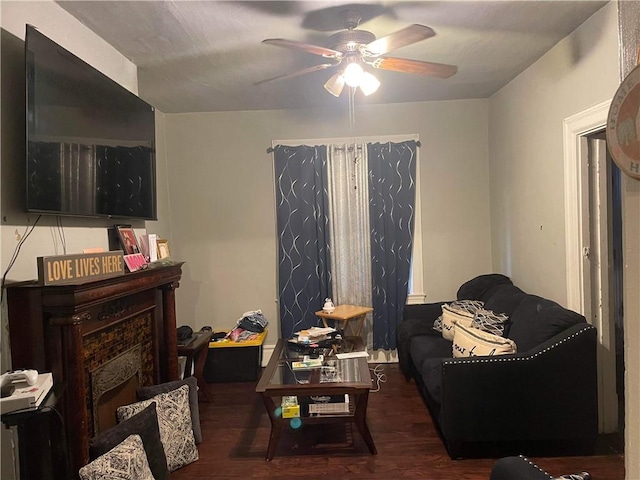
229,361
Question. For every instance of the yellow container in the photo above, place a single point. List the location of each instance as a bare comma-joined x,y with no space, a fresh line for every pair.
229,361
290,411
256,342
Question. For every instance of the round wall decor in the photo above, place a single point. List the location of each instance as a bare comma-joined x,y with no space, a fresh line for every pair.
623,125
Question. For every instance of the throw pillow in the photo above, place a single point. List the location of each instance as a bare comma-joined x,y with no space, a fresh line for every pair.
144,424
471,342
174,421
458,311
489,321
145,393
126,461
575,476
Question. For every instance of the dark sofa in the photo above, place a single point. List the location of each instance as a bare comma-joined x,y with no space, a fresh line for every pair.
541,400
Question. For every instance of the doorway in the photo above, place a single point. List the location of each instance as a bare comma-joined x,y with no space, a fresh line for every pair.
603,280
593,272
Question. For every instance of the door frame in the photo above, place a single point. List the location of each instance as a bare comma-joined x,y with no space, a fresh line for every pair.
576,199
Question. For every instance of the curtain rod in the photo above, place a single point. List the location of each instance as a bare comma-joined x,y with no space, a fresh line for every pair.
350,148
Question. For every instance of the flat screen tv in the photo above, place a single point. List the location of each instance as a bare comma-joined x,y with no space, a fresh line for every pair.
90,142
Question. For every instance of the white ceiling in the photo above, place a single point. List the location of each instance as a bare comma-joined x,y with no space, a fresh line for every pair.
200,56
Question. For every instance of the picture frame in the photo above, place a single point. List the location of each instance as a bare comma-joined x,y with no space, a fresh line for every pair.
128,239
163,249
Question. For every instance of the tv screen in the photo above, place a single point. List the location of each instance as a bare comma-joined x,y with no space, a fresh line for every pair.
90,142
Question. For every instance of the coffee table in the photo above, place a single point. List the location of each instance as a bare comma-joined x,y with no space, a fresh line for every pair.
347,376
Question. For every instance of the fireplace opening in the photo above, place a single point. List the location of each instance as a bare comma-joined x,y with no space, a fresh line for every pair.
114,384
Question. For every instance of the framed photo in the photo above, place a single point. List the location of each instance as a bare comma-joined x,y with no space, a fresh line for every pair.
163,249
128,239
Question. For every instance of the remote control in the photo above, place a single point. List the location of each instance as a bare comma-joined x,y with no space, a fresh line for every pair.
29,376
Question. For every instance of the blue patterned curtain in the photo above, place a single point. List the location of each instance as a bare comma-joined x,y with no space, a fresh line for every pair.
303,249
392,173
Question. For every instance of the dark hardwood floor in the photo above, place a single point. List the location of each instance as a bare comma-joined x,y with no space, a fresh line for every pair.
235,431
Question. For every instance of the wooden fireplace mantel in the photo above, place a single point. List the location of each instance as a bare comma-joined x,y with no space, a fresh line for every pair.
71,330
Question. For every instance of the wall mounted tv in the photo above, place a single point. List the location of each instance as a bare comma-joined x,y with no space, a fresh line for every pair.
90,142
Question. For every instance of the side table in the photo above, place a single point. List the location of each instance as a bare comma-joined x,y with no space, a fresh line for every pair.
345,313
197,350
42,445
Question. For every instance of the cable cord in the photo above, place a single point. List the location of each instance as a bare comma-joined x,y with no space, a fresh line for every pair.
63,239
380,377
16,253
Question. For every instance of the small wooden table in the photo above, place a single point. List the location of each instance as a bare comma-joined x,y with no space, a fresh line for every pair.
344,313
198,349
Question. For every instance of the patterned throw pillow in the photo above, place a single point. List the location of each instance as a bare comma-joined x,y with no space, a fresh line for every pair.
489,321
144,424
471,342
575,476
126,461
174,420
458,311
145,393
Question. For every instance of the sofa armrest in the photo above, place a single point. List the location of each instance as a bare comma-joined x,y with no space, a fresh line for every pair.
417,319
547,393
428,312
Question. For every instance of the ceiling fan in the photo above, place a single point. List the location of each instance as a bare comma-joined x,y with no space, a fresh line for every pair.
353,48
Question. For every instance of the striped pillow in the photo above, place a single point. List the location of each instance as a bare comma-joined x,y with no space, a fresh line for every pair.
458,311
489,321
471,342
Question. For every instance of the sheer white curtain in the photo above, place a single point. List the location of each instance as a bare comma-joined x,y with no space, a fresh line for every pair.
350,235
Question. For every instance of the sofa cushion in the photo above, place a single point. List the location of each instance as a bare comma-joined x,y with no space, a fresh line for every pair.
458,311
537,319
489,321
423,347
145,393
471,342
126,461
477,287
144,424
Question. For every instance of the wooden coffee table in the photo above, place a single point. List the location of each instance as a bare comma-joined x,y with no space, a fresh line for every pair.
280,379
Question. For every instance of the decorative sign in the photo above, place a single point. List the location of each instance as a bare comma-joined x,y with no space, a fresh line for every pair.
623,125
79,268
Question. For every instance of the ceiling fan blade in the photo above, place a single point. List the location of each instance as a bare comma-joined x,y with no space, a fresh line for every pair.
297,73
306,47
414,66
406,36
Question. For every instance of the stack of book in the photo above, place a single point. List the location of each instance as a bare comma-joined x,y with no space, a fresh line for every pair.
312,335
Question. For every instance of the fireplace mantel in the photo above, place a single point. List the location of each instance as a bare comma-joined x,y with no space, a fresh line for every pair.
72,330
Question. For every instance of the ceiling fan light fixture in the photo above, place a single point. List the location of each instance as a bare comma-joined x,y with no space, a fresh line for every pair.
335,84
369,83
353,74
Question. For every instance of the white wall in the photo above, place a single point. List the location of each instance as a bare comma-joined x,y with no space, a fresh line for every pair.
527,184
526,152
223,205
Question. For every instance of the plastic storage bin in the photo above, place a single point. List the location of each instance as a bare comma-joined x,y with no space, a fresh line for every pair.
229,361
